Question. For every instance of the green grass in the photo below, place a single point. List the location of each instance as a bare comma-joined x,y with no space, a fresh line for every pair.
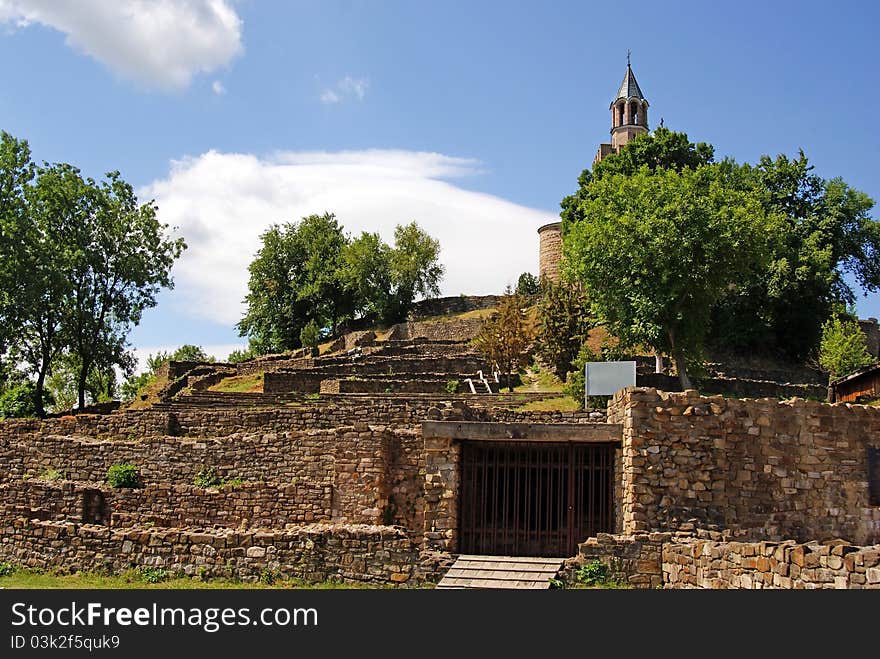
240,384
538,380
137,580
561,404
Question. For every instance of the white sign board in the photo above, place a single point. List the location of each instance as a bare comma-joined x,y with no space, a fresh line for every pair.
607,378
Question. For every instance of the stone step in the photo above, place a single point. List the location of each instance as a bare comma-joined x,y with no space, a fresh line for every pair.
501,572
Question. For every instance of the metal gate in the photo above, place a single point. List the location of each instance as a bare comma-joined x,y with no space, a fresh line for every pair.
533,499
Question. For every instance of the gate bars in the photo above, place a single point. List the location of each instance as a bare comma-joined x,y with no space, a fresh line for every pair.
534,498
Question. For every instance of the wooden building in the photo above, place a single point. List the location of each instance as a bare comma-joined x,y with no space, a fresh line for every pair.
859,386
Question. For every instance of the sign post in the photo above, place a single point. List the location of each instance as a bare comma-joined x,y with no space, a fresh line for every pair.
607,378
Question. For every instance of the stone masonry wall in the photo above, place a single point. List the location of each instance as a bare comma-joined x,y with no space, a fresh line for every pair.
712,564
374,472
454,329
355,553
249,505
764,469
635,560
736,387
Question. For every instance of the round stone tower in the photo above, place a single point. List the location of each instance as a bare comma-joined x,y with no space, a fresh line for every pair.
629,117
550,254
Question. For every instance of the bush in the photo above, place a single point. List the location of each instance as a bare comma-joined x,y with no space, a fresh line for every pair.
52,475
844,347
153,574
592,573
207,477
18,401
452,386
527,285
123,475
6,569
309,336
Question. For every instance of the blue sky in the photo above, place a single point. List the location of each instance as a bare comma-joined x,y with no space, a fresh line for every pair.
474,118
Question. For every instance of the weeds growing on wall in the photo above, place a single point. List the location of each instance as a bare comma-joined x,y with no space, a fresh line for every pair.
123,475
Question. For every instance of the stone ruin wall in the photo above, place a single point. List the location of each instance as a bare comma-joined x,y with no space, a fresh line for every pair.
705,560
742,477
757,565
245,505
373,473
763,469
318,552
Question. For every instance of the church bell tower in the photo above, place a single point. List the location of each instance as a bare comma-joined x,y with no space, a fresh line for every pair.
629,114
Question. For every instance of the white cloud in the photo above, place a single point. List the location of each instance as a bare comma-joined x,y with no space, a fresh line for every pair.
330,96
218,88
161,43
222,202
344,89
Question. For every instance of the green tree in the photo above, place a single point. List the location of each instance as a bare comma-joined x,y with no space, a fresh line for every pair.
827,232
275,311
659,249
660,149
415,267
296,277
237,356
63,379
16,173
17,401
366,271
563,325
56,204
323,289
118,259
527,285
505,338
843,348
309,336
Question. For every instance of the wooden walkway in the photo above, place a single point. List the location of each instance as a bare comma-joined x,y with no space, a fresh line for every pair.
510,572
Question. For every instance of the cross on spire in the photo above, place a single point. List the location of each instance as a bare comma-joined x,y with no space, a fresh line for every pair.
627,57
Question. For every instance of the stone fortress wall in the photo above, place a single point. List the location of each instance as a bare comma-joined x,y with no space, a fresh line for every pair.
707,487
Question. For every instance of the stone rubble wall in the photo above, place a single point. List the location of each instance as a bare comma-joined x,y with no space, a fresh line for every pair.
764,469
736,387
707,559
454,329
789,565
248,505
635,560
374,471
446,306
318,552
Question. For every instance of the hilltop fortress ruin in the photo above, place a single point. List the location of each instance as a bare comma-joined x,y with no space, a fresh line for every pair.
391,458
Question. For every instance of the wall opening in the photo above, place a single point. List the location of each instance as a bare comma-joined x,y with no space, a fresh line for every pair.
534,498
94,508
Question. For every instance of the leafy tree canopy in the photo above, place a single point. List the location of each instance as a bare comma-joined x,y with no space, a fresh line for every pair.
843,348
84,259
660,248
311,271
527,284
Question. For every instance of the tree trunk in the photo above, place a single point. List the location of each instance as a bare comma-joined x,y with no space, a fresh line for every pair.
38,391
81,386
681,368
680,364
